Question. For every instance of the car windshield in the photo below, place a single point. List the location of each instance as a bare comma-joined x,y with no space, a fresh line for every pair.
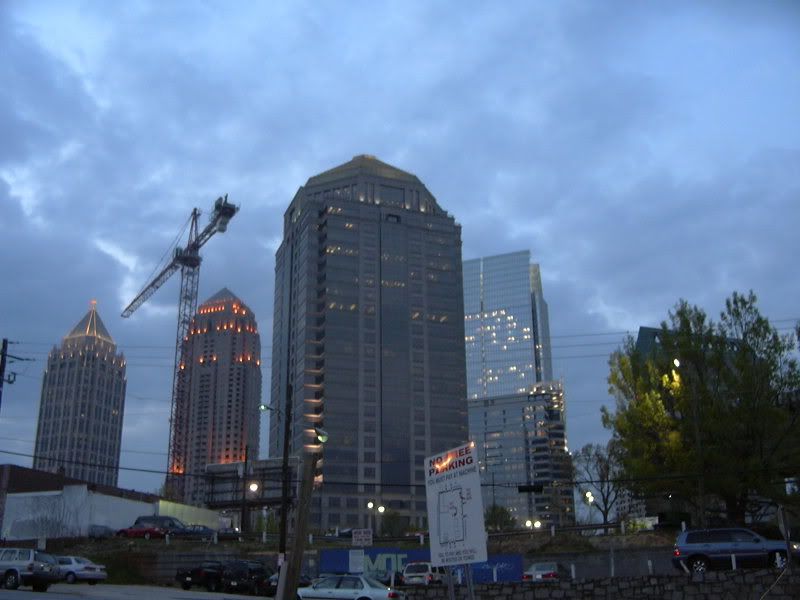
544,567
374,583
414,569
82,561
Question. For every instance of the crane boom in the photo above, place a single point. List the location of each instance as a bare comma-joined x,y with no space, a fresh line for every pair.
188,261
223,212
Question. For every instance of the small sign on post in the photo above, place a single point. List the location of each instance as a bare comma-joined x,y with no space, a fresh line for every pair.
362,537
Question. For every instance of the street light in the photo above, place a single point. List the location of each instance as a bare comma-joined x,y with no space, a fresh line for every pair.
537,524
287,430
374,507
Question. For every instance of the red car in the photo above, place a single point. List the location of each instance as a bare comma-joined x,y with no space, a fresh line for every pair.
142,531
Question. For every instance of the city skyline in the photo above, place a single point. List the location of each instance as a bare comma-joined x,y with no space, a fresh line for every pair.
641,155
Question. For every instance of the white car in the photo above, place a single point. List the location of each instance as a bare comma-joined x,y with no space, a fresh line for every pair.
350,587
77,568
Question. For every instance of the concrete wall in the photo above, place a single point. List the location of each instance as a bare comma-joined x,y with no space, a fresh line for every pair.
67,513
722,585
189,514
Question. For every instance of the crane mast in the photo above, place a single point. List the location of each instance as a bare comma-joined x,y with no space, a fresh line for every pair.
188,260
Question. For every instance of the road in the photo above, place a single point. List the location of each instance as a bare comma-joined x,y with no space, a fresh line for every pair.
64,591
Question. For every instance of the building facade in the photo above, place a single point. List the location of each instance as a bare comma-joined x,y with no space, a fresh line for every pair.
368,338
507,331
79,431
521,441
217,416
517,416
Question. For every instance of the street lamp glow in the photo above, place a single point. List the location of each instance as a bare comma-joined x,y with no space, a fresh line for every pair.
322,435
254,487
370,505
537,524
381,508
588,495
528,523
676,362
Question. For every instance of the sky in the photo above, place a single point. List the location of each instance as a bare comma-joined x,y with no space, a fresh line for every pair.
643,152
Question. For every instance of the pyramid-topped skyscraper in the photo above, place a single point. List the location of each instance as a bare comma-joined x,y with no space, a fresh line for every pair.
79,432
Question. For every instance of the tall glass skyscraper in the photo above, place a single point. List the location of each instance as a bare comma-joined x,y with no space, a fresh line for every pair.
506,325
368,337
79,432
516,413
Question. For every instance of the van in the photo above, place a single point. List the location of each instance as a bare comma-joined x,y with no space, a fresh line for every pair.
423,573
24,566
169,524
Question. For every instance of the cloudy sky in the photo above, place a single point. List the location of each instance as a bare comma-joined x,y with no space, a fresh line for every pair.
643,152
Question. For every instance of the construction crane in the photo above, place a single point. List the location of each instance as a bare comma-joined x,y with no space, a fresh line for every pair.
188,261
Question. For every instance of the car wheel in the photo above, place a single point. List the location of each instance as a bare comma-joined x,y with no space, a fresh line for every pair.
92,582
11,581
71,578
147,535
212,586
699,564
777,560
186,586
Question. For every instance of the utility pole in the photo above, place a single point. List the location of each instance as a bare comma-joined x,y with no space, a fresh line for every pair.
287,432
4,356
244,515
3,353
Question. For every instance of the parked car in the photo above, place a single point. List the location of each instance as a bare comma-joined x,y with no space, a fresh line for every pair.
545,571
76,568
423,573
386,577
208,575
24,566
196,532
228,533
702,549
272,583
350,587
142,531
170,525
245,577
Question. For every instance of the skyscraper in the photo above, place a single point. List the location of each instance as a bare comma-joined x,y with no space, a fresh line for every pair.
79,431
516,413
506,325
368,337
217,417
521,441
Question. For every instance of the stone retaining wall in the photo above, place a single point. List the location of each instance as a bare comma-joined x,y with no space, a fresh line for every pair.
722,585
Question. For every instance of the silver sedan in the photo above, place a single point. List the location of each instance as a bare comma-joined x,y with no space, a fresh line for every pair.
350,587
76,568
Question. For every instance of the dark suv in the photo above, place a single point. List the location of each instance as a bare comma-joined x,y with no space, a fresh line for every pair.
702,549
245,577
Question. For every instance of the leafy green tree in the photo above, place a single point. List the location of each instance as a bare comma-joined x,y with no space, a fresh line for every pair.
498,518
709,414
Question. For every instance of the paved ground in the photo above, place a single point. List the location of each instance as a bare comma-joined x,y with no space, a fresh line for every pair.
64,591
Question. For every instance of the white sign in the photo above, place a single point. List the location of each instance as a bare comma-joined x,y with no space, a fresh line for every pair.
362,537
455,507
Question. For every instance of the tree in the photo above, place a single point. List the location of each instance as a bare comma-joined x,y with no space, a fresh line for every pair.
598,471
498,518
708,414
392,524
